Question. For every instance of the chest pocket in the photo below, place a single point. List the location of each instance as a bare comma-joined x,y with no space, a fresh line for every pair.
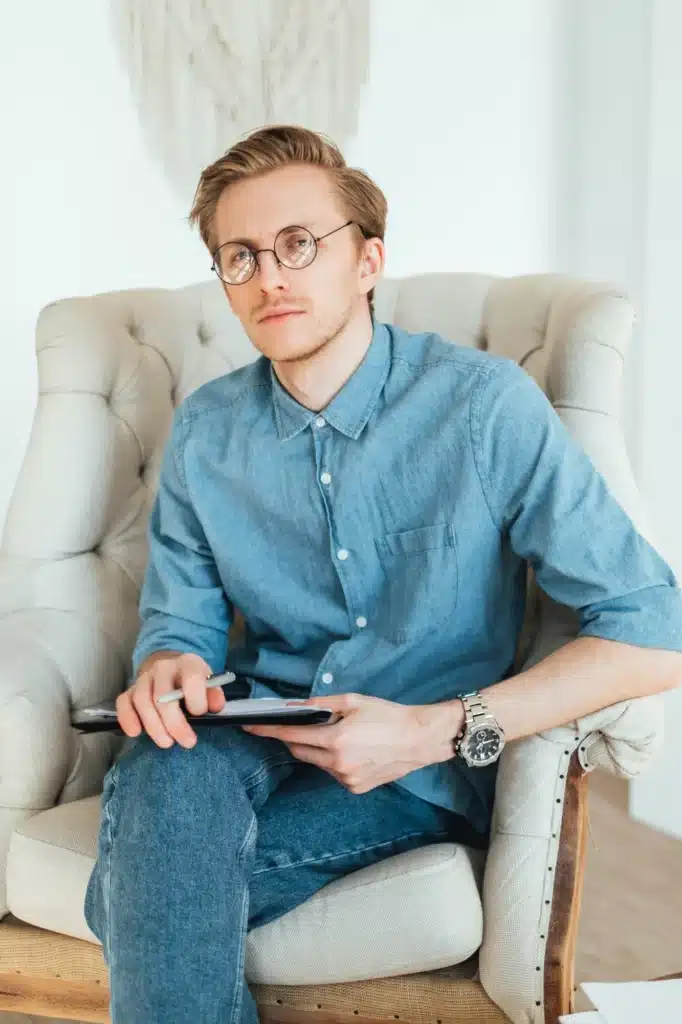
420,582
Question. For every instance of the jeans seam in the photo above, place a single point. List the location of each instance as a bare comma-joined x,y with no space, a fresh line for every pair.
349,853
260,773
106,878
253,826
239,974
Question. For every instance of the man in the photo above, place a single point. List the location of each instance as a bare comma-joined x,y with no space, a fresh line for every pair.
368,499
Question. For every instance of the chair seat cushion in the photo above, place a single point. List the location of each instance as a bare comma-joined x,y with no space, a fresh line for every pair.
417,911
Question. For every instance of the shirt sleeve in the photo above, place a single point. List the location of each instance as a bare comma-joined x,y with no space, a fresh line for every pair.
183,605
543,491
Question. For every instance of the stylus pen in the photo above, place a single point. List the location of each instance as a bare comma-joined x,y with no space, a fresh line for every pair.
219,680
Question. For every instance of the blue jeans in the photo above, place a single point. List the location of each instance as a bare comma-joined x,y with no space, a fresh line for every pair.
196,847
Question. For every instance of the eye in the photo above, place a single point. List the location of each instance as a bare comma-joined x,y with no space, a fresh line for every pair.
295,247
239,257
235,262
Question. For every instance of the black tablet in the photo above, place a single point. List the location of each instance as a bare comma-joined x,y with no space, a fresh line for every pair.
102,717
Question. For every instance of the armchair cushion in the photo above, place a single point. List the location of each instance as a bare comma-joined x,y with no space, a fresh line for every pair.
344,933
111,369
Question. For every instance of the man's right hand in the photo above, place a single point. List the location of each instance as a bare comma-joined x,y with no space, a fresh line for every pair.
163,671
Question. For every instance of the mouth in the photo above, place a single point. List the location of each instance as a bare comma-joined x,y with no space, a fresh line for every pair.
278,316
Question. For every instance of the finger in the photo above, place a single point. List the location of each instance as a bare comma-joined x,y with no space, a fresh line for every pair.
193,684
307,735
313,755
146,710
164,722
342,702
172,715
216,699
128,718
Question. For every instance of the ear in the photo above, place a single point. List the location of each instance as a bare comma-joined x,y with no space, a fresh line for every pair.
372,263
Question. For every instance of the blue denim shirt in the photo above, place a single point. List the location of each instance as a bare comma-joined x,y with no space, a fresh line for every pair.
380,547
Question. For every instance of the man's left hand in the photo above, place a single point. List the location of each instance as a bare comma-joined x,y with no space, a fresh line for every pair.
375,741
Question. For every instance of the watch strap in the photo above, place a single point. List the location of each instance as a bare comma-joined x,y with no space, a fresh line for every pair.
475,712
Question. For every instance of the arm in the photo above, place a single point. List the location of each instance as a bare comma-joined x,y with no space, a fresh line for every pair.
543,492
183,605
554,509
584,676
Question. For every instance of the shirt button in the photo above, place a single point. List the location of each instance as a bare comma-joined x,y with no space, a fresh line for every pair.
361,621
320,422
326,478
327,678
342,554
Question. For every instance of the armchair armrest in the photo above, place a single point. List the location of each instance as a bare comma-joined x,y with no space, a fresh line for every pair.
533,876
623,738
44,661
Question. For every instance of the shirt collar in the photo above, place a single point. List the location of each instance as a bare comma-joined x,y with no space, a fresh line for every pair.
349,410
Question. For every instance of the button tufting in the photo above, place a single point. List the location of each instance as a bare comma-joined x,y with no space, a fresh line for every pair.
203,334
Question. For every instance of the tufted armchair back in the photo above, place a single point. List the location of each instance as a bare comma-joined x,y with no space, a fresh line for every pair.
111,369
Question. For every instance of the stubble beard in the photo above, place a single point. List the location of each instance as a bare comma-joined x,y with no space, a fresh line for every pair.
328,337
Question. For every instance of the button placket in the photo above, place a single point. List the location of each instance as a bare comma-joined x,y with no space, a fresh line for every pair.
340,554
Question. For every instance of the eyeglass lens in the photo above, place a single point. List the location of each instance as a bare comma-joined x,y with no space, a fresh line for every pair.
294,247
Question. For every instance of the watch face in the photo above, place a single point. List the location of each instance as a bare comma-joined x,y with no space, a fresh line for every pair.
483,746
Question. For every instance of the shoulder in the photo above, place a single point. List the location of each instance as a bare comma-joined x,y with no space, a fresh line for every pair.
464,363
249,383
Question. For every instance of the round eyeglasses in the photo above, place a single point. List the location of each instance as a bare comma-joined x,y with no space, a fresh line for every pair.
295,247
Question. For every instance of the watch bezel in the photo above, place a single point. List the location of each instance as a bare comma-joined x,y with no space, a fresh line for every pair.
468,737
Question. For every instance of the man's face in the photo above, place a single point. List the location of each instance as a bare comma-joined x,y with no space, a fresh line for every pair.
290,314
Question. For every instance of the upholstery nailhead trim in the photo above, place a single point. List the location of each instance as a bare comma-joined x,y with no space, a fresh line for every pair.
549,877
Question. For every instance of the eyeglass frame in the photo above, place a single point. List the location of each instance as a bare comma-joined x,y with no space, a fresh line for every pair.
256,252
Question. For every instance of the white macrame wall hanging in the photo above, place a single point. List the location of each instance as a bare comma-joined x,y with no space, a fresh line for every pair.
204,73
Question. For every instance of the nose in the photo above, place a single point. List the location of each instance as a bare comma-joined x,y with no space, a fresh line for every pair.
270,273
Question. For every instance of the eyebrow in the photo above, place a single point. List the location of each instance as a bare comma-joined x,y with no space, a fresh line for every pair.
251,244
248,242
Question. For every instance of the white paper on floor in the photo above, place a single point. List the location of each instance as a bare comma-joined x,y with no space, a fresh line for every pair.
631,1002
588,1017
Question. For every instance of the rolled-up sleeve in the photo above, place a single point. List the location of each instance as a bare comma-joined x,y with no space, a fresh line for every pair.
183,605
544,493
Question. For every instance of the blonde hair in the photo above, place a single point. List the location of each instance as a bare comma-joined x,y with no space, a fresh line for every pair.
277,146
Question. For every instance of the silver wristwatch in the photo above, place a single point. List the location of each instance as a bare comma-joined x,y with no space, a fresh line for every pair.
481,739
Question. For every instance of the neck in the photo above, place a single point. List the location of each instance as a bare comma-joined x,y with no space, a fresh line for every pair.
315,380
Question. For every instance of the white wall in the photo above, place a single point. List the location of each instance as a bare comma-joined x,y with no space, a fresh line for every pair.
456,125
656,797
88,210
622,221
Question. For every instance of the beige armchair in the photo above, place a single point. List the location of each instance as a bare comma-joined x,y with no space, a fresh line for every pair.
463,940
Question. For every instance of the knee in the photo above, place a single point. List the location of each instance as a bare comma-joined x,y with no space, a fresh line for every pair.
147,765
163,782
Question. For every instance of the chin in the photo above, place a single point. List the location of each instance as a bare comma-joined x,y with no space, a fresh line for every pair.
285,342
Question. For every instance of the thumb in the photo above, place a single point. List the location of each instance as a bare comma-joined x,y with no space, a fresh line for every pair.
341,702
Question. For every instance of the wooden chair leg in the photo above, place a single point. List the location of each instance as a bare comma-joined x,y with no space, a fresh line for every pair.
568,888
